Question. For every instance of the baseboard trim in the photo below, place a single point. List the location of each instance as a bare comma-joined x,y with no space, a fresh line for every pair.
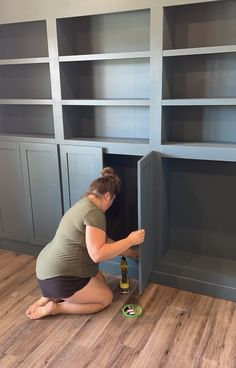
194,285
20,247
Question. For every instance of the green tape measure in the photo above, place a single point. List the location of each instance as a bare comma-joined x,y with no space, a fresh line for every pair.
131,311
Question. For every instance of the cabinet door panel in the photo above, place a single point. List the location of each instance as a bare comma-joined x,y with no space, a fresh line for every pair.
42,183
13,219
80,165
145,217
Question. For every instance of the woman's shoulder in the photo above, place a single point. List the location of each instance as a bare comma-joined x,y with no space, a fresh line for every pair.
84,206
87,213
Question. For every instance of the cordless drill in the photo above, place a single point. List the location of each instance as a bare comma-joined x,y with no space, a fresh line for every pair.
124,283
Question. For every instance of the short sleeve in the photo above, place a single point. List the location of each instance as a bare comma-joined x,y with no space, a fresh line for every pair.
95,218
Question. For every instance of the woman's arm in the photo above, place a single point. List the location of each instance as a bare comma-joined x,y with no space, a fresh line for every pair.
100,249
131,252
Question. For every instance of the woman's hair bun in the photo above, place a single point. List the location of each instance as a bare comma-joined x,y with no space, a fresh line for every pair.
108,171
109,181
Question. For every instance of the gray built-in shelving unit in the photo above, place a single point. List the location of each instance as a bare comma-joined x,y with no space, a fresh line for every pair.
104,69
25,87
146,87
199,54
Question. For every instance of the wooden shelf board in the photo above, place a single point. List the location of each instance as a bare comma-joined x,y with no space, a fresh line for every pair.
106,56
199,51
38,60
19,101
111,140
27,137
107,102
199,101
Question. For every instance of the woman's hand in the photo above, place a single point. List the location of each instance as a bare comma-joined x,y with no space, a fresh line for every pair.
132,253
136,237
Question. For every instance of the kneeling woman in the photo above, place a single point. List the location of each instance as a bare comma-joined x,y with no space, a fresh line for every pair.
67,268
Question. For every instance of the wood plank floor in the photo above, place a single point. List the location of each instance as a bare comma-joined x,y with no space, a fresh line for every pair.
177,330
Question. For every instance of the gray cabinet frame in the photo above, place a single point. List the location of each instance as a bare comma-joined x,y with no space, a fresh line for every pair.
184,122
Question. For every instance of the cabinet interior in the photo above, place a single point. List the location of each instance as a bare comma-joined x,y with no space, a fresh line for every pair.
104,33
198,210
199,76
106,122
122,216
199,25
105,79
203,124
26,81
30,120
23,40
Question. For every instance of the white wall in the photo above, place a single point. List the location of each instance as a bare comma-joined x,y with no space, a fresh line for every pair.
26,10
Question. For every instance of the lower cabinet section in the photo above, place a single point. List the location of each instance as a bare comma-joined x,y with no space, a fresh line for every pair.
196,230
186,206
30,195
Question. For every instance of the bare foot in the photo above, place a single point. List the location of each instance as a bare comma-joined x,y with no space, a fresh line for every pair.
36,311
40,303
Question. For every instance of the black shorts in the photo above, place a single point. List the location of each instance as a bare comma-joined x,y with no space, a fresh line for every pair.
62,286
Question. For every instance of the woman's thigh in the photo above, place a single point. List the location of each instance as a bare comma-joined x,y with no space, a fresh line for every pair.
96,291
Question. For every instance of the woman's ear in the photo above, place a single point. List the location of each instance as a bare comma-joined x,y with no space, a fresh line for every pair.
107,196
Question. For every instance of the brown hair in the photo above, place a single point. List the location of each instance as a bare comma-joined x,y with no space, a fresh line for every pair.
109,182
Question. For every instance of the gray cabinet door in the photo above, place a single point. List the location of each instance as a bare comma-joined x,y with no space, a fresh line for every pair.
79,165
40,164
13,218
145,217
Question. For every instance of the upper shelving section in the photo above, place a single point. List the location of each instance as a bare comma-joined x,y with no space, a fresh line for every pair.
28,121
108,34
199,76
104,63
25,83
24,63
107,79
198,89
202,25
23,40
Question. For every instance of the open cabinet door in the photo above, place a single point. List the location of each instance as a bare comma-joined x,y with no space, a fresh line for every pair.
145,217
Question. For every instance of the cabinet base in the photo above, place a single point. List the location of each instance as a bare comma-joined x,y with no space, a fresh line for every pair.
20,247
194,285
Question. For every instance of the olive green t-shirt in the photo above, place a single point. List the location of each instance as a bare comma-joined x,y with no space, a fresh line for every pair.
66,254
